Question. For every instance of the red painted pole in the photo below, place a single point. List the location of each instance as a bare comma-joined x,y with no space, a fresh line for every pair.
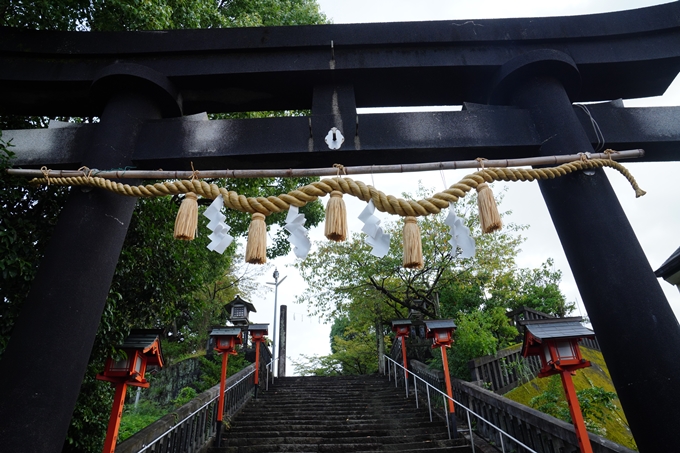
223,381
447,377
220,404
257,362
576,415
403,355
114,419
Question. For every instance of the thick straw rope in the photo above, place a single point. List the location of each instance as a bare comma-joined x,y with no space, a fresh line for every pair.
311,192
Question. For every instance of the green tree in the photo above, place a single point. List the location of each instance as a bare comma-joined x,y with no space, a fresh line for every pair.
344,279
159,282
121,15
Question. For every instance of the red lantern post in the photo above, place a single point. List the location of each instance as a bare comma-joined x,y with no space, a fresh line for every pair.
401,328
441,332
555,341
257,333
226,339
142,349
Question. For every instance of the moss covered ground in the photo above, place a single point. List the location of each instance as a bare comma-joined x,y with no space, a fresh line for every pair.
616,427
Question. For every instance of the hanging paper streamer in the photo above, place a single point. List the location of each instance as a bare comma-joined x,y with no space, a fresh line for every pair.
295,224
376,238
220,238
460,235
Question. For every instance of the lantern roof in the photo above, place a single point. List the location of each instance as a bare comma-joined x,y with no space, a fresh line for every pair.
440,324
148,342
401,322
220,331
556,328
238,300
670,269
264,327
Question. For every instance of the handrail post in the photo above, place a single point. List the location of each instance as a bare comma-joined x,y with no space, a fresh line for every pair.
472,439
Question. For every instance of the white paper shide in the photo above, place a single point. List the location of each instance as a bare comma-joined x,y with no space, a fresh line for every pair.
295,225
376,238
219,238
460,235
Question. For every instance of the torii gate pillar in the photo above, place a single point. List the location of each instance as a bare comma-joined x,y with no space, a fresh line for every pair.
70,290
624,300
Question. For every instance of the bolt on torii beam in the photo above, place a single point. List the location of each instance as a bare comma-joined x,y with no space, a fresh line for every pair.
517,80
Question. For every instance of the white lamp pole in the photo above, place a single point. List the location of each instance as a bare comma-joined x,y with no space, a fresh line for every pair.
276,292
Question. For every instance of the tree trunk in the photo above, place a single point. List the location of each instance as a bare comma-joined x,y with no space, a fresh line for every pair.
380,339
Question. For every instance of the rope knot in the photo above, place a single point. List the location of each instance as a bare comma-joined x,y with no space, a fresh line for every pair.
340,168
46,173
194,172
609,152
481,160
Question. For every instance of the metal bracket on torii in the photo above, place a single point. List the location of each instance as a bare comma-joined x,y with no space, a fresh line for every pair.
517,80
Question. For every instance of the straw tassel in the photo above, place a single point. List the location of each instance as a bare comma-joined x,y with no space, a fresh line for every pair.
256,248
489,217
187,218
336,218
413,247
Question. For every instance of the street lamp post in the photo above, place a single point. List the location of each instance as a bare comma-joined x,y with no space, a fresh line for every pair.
276,284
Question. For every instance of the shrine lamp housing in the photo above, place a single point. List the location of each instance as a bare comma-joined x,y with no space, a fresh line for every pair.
258,331
142,349
239,310
226,338
441,332
555,341
401,327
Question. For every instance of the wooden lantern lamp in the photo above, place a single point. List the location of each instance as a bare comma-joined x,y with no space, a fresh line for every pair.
401,328
555,341
226,339
257,335
441,332
142,349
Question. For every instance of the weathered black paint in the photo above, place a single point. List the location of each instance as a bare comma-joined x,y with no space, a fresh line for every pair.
618,55
56,328
624,300
388,138
626,54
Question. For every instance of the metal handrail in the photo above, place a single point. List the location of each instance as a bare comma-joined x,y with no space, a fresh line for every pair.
457,404
211,401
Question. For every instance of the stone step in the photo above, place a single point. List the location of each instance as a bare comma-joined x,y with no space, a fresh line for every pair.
331,417
336,414
348,427
385,438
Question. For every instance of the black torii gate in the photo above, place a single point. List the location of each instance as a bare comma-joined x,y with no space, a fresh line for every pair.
516,78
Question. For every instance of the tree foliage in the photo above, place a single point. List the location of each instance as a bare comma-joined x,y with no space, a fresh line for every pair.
159,282
346,282
125,15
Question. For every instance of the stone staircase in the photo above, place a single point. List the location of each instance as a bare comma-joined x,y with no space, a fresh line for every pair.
336,414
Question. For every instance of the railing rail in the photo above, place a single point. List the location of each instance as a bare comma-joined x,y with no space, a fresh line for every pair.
197,423
392,365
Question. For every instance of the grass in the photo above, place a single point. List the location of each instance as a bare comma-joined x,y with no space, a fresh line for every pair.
616,428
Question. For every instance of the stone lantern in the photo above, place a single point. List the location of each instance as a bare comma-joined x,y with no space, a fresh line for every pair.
239,310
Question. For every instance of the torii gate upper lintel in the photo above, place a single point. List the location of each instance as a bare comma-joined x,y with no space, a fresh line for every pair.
535,68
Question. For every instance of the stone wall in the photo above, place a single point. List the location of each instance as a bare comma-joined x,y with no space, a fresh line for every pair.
167,383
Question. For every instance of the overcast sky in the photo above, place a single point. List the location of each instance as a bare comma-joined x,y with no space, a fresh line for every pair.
654,217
